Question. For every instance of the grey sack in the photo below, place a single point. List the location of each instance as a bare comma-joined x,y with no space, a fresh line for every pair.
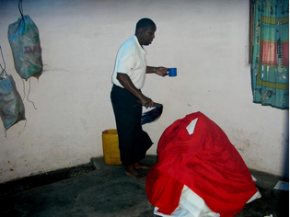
11,105
23,36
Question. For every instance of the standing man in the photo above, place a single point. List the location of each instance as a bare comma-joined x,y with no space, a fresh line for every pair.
127,98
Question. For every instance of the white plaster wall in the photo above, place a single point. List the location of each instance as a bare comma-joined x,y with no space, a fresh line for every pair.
206,40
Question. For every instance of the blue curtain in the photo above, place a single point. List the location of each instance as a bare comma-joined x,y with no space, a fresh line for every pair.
270,53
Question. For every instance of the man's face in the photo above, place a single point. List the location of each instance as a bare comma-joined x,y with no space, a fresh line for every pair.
147,35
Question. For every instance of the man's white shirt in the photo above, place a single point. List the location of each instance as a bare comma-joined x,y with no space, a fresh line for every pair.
131,60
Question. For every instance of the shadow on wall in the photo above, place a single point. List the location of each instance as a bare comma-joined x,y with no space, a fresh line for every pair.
284,195
286,152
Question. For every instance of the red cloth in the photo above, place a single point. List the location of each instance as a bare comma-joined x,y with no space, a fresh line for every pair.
206,162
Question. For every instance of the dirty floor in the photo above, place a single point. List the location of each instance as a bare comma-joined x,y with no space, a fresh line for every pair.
106,191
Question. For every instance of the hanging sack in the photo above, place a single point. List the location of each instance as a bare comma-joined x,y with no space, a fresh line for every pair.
23,36
11,105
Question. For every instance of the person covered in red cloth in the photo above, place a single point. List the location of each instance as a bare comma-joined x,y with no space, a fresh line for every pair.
194,151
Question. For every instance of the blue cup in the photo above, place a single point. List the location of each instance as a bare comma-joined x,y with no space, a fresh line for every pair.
172,72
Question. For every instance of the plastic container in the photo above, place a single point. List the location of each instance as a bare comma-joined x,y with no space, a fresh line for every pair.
172,72
111,147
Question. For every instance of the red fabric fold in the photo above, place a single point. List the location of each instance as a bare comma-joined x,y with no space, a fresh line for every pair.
206,162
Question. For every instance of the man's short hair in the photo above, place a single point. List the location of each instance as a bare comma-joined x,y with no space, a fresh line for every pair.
144,23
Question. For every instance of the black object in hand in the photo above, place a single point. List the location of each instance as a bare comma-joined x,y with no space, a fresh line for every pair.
152,115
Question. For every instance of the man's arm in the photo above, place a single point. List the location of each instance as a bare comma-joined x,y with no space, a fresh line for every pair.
160,70
126,82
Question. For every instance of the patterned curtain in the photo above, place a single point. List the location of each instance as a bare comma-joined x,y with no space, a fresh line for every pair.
270,53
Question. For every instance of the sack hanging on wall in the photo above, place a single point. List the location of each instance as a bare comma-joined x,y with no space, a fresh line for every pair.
11,105
23,36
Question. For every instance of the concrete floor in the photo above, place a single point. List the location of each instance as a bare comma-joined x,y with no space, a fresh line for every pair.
108,192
